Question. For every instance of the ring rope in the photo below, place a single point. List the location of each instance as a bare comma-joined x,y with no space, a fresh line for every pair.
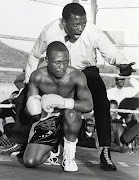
127,45
7,105
125,111
101,74
112,110
17,37
12,69
34,40
134,7
117,75
43,1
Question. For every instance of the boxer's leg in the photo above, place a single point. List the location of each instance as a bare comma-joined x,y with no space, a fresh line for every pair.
72,124
36,154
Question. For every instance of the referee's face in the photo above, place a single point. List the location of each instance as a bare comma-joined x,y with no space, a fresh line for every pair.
75,26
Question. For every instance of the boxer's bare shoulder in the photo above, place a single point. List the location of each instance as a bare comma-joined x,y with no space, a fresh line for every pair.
76,75
39,74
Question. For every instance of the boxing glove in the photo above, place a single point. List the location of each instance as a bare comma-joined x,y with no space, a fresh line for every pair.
33,105
51,101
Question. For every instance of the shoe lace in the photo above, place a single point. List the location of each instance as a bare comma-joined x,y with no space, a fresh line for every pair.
11,148
68,155
52,160
107,156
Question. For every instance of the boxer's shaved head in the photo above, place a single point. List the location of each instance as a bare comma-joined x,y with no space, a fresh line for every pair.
55,46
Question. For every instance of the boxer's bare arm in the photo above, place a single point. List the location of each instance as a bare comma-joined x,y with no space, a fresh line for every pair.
84,102
34,81
33,104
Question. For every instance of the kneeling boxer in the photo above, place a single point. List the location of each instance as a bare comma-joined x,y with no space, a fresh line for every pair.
52,106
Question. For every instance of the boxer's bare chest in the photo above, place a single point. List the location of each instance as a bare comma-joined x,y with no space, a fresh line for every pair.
64,87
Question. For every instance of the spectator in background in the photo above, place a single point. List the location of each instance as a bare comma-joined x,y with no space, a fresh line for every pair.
7,116
1,127
19,82
11,127
116,128
131,119
121,92
87,137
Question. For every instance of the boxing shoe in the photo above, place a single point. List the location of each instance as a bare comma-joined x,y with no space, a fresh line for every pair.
105,160
69,163
53,159
14,148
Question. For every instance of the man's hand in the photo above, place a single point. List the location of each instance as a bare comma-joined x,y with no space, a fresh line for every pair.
126,69
51,101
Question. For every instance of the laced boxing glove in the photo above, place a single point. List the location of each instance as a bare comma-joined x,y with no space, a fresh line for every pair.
126,69
51,101
33,105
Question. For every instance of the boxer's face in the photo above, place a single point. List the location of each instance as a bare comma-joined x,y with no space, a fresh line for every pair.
75,26
58,63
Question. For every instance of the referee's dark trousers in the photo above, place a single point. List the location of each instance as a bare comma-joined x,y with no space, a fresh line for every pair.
101,105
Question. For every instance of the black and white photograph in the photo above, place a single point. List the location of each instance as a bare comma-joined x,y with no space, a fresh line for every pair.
69,89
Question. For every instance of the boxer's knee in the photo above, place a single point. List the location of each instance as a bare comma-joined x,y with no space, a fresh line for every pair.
31,162
72,116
